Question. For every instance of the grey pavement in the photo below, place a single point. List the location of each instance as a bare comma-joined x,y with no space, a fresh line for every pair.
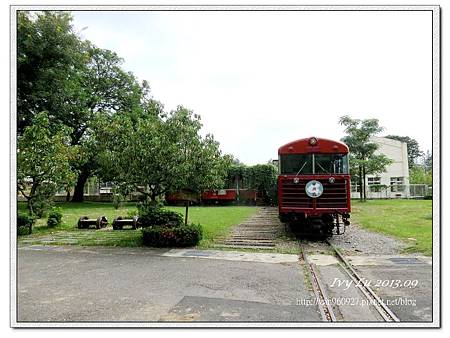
75,284
403,282
410,303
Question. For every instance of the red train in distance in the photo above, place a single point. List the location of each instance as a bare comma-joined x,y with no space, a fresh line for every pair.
222,195
314,185
219,197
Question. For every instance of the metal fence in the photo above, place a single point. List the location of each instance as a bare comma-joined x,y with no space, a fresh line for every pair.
394,191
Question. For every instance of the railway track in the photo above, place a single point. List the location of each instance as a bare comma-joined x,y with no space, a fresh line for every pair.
257,232
322,299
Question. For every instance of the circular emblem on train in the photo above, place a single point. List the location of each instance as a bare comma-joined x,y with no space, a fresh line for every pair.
314,189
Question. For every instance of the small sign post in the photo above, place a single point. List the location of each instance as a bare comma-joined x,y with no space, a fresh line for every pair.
188,196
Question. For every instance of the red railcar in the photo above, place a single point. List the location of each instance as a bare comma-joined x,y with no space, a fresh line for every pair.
219,197
222,195
314,185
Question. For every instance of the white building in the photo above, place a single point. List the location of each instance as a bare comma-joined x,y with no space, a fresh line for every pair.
394,183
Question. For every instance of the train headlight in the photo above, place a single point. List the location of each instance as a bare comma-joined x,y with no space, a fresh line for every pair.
314,189
312,141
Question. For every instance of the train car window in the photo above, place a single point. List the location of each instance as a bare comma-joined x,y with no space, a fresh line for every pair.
331,163
296,164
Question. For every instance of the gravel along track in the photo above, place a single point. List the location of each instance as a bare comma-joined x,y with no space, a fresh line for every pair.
358,240
262,230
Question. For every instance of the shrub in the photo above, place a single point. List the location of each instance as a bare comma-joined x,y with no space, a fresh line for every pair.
156,216
54,217
132,213
24,220
23,231
377,187
181,236
41,206
117,201
24,224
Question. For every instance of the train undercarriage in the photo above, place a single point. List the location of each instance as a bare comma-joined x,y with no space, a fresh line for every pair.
323,226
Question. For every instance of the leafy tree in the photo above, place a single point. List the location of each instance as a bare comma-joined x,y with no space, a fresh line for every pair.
427,161
261,177
235,176
108,90
43,157
50,58
422,173
73,81
156,155
419,175
363,160
412,146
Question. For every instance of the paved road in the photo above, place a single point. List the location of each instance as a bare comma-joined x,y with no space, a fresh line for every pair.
64,284
75,284
410,303
403,282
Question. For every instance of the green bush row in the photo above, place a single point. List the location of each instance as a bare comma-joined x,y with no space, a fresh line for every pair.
181,236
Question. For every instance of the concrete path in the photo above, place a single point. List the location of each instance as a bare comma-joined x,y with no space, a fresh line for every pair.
75,284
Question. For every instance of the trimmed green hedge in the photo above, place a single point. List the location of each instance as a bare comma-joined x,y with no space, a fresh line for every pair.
180,236
165,228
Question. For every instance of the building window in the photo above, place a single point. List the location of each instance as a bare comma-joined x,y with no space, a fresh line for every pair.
374,184
397,184
373,180
105,187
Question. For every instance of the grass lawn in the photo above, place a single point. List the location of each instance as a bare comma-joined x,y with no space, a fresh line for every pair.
408,220
216,222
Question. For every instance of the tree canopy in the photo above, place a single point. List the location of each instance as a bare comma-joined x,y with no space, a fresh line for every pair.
363,160
261,177
103,113
422,172
74,81
43,161
161,154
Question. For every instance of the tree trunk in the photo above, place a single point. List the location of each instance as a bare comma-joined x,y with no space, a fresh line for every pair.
78,194
186,213
153,199
30,207
30,200
364,181
68,196
360,184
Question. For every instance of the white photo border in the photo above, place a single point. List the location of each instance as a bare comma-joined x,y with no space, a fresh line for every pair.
436,150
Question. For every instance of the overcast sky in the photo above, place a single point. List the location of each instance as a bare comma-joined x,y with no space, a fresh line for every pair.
262,79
